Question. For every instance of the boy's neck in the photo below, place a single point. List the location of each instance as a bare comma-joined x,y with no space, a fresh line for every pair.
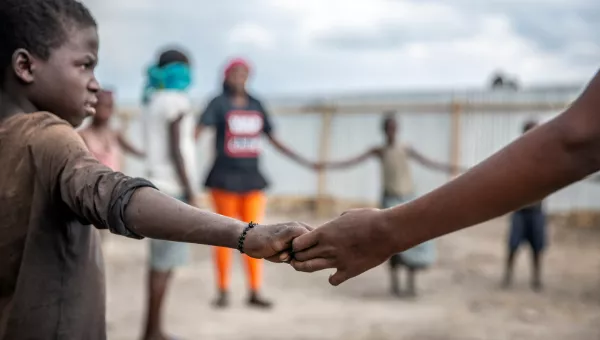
11,105
390,141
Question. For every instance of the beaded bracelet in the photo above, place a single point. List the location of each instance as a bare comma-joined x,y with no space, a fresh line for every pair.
243,236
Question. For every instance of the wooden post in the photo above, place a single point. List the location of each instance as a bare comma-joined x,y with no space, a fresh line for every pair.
456,111
324,140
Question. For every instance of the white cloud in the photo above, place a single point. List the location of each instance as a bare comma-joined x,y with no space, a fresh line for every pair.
251,34
315,46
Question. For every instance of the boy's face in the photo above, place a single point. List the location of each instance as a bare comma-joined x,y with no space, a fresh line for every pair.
528,126
105,106
391,128
238,77
65,83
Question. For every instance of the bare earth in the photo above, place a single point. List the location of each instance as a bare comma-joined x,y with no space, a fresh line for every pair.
459,297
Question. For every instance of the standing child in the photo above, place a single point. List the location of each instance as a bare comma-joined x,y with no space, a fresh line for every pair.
52,190
235,180
527,225
398,188
103,142
169,135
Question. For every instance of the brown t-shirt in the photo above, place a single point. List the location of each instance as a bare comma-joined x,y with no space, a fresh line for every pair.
51,266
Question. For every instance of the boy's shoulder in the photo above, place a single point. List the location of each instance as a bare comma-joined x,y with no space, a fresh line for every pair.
31,124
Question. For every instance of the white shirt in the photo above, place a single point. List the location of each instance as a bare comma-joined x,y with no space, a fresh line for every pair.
165,107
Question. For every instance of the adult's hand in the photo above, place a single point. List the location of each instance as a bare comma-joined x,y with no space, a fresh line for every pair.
353,243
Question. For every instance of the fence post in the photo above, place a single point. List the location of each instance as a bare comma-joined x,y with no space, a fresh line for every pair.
455,115
327,113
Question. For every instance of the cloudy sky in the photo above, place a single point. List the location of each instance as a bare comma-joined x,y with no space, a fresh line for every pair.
311,47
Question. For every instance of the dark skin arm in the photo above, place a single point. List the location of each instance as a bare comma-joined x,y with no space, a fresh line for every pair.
352,161
128,147
288,152
177,158
198,131
417,156
176,221
514,177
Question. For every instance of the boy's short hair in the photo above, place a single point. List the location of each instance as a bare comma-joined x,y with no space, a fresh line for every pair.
37,26
388,116
530,124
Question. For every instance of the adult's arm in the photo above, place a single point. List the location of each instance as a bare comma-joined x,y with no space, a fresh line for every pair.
542,161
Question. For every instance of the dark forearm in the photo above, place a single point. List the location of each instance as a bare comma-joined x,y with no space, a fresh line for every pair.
155,215
539,163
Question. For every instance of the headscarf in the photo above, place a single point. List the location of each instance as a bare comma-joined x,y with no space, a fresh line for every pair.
173,76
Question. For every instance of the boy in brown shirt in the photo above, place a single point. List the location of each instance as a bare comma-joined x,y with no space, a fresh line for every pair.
52,188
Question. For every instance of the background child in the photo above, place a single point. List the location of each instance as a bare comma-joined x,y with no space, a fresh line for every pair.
235,181
398,188
527,225
169,134
106,144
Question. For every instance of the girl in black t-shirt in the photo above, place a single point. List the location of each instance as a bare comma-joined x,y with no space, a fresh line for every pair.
235,182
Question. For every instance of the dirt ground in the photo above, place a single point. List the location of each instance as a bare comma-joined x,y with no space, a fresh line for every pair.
459,296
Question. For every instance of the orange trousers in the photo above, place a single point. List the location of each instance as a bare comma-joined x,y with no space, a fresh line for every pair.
245,207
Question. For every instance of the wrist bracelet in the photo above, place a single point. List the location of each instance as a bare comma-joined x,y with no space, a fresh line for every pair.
243,236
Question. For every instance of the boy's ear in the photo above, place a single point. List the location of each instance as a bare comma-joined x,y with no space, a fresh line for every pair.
23,65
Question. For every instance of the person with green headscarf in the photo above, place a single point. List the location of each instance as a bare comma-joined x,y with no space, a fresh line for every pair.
169,138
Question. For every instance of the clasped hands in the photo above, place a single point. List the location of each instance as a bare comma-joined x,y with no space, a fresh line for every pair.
353,243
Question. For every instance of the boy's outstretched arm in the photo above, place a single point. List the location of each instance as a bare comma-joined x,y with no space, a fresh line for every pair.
93,194
542,161
155,215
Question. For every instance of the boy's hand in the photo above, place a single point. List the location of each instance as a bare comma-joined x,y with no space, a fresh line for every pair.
353,243
273,242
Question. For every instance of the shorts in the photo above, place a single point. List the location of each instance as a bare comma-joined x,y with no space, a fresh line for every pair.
418,257
528,225
168,255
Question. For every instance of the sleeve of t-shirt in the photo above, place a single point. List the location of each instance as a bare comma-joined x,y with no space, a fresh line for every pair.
93,192
210,114
267,122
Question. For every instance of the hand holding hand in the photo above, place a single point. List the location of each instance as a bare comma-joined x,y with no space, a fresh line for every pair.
353,243
273,242
318,166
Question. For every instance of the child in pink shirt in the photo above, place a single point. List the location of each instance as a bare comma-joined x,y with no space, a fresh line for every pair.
103,142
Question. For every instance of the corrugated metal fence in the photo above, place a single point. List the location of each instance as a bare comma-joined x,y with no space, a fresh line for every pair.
462,128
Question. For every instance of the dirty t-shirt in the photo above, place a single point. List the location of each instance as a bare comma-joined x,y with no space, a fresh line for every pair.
237,144
51,267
